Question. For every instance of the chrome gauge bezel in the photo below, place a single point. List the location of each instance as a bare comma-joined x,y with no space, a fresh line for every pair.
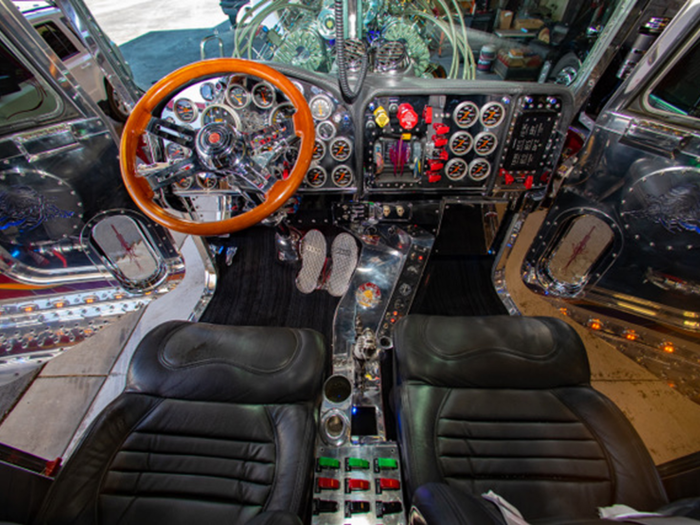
195,110
455,137
491,149
500,118
263,85
281,107
228,110
234,102
316,111
334,176
318,169
171,150
461,106
475,163
325,125
456,162
319,146
345,156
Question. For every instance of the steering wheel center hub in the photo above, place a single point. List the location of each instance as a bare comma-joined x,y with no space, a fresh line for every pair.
220,145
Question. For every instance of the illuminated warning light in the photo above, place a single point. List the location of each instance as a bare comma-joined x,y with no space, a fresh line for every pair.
119,296
564,311
90,300
595,324
630,335
29,308
88,332
668,347
148,293
59,304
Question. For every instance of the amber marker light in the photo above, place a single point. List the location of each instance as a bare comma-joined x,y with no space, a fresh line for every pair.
668,347
59,304
630,335
595,324
564,311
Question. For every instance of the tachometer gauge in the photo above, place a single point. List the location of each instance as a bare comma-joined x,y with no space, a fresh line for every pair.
218,113
342,176
325,130
319,150
321,107
341,149
185,110
456,169
460,143
466,114
479,169
176,152
485,143
207,181
208,91
237,96
284,111
263,95
492,114
316,177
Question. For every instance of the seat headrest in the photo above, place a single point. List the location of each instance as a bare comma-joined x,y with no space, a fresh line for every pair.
256,365
490,352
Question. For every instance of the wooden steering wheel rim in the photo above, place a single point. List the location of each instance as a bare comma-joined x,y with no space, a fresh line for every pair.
141,115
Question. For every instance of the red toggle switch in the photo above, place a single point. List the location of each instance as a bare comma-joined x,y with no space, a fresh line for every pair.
435,165
327,484
509,179
439,142
408,118
356,484
443,155
389,484
545,177
440,129
528,182
428,114
434,178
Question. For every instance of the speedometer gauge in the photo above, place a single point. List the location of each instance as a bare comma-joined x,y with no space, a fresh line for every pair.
263,95
321,107
237,96
479,169
342,176
456,169
316,177
460,143
341,149
492,114
185,110
466,114
284,111
485,143
218,113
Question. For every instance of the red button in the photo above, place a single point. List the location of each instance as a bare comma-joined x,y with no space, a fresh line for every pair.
408,118
327,484
528,182
356,484
389,484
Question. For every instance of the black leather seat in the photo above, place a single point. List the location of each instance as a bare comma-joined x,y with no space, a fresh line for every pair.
216,425
505,404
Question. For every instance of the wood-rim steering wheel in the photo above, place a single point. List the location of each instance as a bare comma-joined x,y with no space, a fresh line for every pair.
141,121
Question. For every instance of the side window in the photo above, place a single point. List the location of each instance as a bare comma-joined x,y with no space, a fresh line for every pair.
678,92
56,40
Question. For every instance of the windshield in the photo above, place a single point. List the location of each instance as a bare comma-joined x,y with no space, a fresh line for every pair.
524,40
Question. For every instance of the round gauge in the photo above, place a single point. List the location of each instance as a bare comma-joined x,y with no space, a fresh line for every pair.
185,182
325,130
237,96
319,150
485,143
218,113
342,176
185,110
299,86
341,149
492,114
263,95
456,169
316,177
479,169
284,111
176,152
466,114
460,143
321,107
208,91
206,180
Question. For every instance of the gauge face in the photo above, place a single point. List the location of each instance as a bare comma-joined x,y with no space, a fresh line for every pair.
176,152
460,143
208,91
316,177
283,112
321,107
479,169
342,176
207,181
237,96
319,150
185,182
325,130
185,110
217,113
485,143
466,114
341,149
492,114
263,95
456,169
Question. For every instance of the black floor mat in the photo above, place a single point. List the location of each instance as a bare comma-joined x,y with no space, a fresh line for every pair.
257,290
458,285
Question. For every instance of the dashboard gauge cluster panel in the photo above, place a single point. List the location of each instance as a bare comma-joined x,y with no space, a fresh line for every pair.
441,143
333,165
532,144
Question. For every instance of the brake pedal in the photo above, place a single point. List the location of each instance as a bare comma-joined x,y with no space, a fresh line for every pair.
343,263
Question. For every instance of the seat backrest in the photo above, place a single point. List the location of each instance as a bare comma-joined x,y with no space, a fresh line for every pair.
505,404
216,425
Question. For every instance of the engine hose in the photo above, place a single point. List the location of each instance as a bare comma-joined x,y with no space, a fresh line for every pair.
348,94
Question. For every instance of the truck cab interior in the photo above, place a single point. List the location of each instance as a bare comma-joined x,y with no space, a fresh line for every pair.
351,262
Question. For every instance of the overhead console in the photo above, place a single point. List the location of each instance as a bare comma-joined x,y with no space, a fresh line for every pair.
474,143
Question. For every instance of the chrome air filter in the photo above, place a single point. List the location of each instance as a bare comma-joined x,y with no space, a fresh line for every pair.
391,57
355,50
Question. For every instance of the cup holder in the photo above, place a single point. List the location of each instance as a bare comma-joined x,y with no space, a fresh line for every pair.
337,389
335,427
